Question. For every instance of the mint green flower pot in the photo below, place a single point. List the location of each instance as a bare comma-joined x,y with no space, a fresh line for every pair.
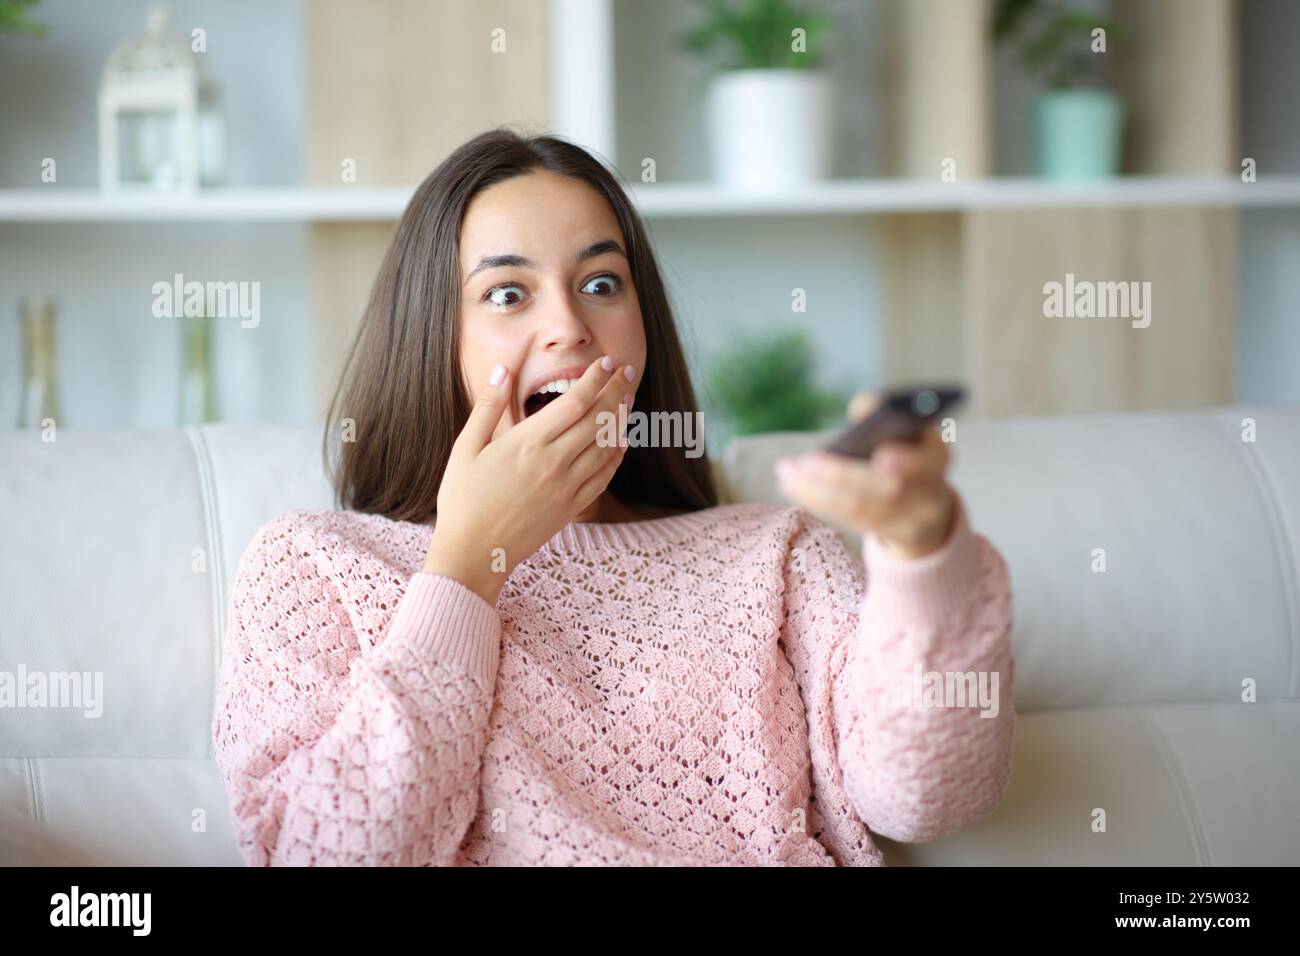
1077,134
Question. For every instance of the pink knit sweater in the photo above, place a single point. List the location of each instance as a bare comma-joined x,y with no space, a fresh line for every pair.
717,687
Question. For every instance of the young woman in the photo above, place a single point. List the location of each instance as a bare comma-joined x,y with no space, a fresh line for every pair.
519,643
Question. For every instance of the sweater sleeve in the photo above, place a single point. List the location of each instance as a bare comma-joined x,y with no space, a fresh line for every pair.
875,653
343,749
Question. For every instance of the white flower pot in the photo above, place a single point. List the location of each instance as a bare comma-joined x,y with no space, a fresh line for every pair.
769,128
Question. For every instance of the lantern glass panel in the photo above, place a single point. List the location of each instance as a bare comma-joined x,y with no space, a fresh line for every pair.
149,147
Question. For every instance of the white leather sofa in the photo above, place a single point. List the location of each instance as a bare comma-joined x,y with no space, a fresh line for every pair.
119,548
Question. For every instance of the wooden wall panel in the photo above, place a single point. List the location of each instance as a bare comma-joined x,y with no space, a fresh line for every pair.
939,108
1179,75
396,86
1023,363
345,259
940,97
922,328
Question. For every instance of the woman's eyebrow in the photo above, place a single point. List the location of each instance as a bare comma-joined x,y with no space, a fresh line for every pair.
510,259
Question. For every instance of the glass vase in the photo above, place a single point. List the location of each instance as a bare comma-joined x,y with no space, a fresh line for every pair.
197,402
40,398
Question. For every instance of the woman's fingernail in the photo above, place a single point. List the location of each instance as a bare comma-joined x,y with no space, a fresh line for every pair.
607,363
498,374
630,372
627,400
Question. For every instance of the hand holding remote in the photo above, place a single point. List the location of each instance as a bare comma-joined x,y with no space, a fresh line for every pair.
898,490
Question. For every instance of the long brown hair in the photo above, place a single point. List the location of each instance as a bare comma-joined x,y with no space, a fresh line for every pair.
402,399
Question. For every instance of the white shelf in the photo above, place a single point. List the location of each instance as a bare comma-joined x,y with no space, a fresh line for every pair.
866,196
214,205
662,200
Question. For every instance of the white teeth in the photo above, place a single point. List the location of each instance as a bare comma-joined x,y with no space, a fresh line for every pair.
559,385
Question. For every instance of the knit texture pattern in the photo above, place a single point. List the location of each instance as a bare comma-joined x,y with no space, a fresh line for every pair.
713,688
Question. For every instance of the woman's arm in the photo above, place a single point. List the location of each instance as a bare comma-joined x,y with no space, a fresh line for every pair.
874,669
331,754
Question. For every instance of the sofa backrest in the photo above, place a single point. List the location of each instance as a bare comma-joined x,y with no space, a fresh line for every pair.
1199,531
119,550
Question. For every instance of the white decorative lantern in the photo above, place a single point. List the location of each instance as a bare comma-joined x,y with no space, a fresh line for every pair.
155,104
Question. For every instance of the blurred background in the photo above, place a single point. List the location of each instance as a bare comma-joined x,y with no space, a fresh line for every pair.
843,195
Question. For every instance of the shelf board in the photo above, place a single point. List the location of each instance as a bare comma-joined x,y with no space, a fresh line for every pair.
662,200
866,196
288,204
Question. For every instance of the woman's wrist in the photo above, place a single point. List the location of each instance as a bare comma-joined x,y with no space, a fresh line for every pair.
931,535
452,563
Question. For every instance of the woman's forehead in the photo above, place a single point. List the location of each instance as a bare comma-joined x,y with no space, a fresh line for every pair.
534,215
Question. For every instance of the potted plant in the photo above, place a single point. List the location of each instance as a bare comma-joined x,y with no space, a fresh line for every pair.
768,105
765,384
1078,121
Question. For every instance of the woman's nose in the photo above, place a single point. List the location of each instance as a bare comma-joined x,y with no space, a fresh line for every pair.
564,327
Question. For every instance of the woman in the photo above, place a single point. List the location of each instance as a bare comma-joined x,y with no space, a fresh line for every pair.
520,643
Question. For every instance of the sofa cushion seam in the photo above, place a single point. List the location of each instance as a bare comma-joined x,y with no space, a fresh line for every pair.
1289,566
1182,787
207,490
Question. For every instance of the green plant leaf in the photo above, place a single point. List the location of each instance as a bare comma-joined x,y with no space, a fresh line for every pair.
1009,16
14,18
1054,42
765,383
754,35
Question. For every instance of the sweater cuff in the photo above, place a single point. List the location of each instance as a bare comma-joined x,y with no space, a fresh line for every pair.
442,619
926,590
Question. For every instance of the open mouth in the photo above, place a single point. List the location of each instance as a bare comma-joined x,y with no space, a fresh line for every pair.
537,401
547,394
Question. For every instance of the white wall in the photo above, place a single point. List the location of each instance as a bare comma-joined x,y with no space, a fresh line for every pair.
51,85
736,276
118,364
1268,345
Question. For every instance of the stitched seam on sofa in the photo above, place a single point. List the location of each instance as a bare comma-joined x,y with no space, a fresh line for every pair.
29,788
40,790
1183,789
36,800
167,757
1022,711
207,489
1287,560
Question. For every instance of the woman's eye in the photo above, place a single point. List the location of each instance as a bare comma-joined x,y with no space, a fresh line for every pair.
498,295
608,279
494,290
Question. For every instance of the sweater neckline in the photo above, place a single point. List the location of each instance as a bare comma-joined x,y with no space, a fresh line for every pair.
578,536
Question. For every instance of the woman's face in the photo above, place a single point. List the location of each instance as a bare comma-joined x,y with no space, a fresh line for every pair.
564,298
